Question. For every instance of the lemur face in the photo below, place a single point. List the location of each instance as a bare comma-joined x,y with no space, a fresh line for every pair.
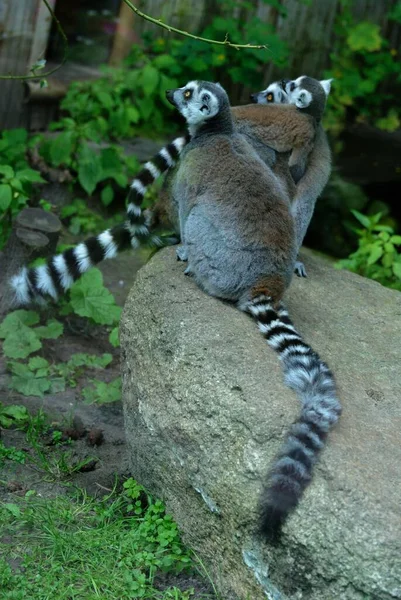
304,90
198,101
274,93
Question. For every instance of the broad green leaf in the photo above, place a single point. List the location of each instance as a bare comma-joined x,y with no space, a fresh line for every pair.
22,343
30,385
396,239
52,330
133,114
16,412
17,318
57,384
61,148
365,36
89,298
107,195
361,218
37,362
375,254
102,392
89,169
105,99
114,337
30,175
397,269
7,171
149,79
14,509
6,196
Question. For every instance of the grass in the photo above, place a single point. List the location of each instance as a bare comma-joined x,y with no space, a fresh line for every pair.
71,548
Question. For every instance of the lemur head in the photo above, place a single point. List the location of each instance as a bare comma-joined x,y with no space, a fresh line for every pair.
274,94
308,94
199,102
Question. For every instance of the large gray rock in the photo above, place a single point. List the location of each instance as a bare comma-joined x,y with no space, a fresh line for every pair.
206,410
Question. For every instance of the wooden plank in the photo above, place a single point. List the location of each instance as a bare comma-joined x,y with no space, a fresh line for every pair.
17,26
41,32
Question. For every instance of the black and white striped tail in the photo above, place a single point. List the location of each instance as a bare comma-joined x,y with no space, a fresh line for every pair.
164,160
314,383
59,273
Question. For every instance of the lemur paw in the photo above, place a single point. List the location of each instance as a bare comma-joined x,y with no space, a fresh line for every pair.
182,253
188,272
299,269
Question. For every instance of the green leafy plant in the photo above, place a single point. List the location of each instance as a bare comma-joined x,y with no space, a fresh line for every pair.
11,453
16,177
363,63
13,415
20,337
379,252
102,393
113,547
89,298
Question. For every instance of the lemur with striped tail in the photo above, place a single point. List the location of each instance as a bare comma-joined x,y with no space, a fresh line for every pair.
240,245
59,273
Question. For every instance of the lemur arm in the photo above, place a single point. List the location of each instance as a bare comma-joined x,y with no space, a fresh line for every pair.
311,185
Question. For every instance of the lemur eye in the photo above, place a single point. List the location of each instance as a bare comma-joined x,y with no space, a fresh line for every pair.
292,87
270,97
187,94
205,98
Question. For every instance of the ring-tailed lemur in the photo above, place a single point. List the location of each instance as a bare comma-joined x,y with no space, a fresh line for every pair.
56,276
240,245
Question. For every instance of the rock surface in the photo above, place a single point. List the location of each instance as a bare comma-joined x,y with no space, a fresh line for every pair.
205,411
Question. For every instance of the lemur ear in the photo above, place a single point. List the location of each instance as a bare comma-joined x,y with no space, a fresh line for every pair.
326,85
220,86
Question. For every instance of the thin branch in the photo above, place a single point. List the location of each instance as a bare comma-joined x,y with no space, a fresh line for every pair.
44,75
158,22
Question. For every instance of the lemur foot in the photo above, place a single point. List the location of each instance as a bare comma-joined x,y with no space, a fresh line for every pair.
182,253
299,269
188,272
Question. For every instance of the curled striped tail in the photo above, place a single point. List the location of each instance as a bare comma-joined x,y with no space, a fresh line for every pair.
60,271
159,164
312,380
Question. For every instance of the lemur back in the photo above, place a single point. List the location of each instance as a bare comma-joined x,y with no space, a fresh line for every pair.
240,246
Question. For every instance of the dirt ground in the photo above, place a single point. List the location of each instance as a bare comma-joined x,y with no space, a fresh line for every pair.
103,441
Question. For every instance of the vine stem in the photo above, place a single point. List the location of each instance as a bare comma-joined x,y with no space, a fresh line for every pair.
64,37
159,23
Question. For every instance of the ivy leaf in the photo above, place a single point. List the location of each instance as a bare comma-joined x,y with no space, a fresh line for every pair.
365,36
13,415
89,298
6,196
52,330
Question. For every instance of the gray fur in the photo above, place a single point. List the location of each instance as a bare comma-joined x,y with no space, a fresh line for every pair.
240,246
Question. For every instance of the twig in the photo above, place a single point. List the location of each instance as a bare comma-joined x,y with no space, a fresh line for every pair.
44,75
158,22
